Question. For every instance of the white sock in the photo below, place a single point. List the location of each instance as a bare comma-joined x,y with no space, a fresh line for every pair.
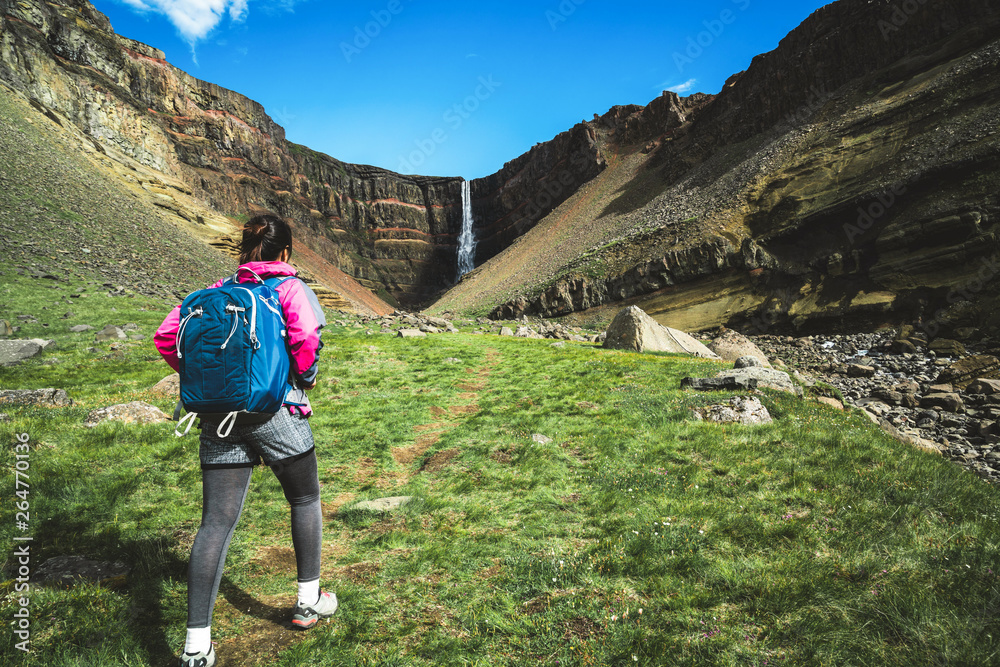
309,592
199,640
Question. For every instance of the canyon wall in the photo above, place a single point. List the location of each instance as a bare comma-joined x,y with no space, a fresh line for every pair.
395,234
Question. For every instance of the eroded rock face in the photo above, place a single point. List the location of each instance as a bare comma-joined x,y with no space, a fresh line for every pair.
387,230
634,330
738,220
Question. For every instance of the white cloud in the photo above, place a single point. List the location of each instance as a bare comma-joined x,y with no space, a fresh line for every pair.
678,88
195,19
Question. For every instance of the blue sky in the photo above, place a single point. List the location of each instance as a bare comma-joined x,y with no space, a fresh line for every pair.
452,89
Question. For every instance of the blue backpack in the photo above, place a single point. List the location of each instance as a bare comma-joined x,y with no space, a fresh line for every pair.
233,353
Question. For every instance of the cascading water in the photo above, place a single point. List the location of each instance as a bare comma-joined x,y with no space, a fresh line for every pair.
467,239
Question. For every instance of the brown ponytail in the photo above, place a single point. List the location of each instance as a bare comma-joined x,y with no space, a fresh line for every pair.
264,237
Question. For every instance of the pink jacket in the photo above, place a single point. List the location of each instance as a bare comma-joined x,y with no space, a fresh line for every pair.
303,318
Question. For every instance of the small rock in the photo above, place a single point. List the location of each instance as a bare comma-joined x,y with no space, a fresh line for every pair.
110,332
765,377
50,398
80,328
452,360
748,362
506,331
15,351
740,410
832,402
719,384
541,439
70,570
135,412
946,347
382,504
949,402
859,371
411,333
984,386
168,386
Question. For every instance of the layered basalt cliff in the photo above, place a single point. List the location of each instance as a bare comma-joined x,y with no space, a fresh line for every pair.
395,234
846,179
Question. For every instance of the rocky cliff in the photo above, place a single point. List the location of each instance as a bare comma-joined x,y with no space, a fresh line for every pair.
395,234
846,179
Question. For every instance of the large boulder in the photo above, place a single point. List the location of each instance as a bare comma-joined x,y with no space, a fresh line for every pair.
632,329
731,345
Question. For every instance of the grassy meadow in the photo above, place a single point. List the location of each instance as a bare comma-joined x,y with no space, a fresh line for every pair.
636,536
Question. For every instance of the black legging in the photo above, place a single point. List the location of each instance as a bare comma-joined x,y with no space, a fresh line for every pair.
224,491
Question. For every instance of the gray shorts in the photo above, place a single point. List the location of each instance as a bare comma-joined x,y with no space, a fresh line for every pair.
284,436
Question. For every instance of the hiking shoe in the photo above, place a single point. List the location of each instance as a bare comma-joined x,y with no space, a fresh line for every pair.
199,659
306,616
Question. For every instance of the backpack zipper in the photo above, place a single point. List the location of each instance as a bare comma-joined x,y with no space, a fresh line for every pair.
193,312
253,319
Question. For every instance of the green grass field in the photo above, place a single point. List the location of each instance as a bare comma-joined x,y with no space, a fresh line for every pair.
635,537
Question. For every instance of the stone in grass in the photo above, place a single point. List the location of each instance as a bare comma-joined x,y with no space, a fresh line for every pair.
765,377
81,328
506,331
46,398
135,412
110,332
719,384
541,439
748,362
745,410
66,571
168,386
13,352
411,333
382,504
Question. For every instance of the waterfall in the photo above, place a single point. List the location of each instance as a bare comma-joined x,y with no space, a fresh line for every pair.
467,239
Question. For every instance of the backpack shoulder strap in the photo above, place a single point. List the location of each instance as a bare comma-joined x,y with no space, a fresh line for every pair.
276,280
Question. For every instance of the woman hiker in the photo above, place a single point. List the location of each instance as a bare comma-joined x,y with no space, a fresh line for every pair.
285,443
